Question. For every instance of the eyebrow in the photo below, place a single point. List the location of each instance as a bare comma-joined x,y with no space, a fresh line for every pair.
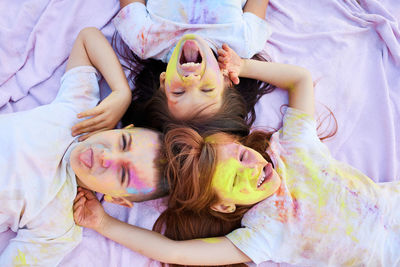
125,169
129,148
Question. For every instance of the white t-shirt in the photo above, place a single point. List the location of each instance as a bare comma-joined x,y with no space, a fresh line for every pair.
153,31
326,213
37,185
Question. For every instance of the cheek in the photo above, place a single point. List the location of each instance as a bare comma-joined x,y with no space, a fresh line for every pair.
244,191
139,183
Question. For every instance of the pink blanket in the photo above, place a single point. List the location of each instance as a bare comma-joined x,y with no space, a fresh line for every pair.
351,47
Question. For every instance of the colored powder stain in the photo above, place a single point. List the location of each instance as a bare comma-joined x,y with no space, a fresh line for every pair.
282,211
20,259
349,232
223,174
183,14
136,185
141,191
244,191
211,240
295,206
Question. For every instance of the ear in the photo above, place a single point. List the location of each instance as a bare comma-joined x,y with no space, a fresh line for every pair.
224,207
227,81
118,200
162,81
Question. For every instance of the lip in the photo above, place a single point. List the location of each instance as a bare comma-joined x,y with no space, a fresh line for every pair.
266,174
86,157
191,50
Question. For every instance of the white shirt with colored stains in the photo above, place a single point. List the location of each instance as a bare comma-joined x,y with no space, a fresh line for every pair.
326,213
153,31
37,185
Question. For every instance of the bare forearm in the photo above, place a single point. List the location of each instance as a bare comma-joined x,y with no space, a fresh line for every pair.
104,59
296,80
257,7
143,241
158,247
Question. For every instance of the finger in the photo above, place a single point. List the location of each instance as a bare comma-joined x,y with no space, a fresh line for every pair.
226,47
97,126
222,67
83,126
223,59
221,52
90,195
80,202
77,214
90,112
234,77
86,136
78,197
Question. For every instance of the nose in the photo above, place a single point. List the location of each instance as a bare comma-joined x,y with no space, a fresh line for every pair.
109,158
253,159
190,79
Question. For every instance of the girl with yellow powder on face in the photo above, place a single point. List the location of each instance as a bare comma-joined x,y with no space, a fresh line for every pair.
186,35
312,210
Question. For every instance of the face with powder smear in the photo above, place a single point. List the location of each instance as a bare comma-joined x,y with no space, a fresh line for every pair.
193,81
242,177
119,163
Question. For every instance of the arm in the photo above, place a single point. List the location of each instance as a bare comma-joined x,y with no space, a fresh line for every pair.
124,3
257,7
88,212
92,48
296,80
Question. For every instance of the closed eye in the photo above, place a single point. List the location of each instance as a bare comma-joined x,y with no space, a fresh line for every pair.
178,93
123,175
124,142
234,182
242,154
207,90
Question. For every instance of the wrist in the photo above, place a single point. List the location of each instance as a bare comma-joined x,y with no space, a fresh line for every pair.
104,223
243,66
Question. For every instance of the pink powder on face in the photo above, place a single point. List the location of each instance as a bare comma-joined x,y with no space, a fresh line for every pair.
136,184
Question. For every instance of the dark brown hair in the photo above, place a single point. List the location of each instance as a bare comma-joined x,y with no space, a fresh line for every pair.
149,108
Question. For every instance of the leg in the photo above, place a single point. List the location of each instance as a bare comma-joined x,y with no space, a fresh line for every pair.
257,7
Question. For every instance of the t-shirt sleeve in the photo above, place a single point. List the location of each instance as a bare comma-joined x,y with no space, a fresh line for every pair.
132,23
298,126
251,243
47,238
257,32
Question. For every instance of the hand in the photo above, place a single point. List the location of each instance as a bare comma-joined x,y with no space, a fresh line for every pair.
88,211
103,117
230,62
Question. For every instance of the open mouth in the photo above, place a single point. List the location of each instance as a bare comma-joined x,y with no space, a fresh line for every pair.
190,55
265,176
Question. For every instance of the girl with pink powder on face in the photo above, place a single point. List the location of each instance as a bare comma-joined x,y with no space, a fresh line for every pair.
312,210
42,164
187,35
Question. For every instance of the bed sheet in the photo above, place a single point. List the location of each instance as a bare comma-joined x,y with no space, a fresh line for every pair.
352,49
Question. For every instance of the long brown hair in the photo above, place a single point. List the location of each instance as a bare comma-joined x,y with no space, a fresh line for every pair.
191,164
192,160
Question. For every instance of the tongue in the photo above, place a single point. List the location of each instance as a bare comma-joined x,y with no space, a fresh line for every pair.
190,51
86,158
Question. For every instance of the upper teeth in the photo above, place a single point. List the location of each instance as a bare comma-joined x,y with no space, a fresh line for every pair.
262,179
190,64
